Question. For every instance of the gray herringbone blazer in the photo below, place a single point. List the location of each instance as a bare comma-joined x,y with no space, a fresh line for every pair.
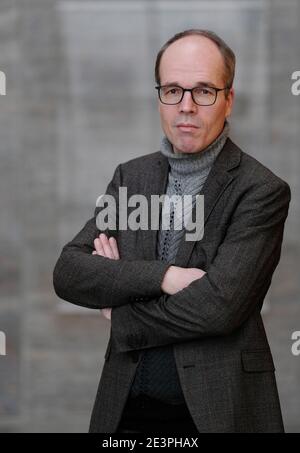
222,354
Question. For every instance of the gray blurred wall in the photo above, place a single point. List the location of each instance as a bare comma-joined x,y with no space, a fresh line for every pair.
81,99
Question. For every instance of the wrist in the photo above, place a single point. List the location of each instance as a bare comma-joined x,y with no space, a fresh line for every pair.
167,280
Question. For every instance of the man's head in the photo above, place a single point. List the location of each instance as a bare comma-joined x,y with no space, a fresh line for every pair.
189,59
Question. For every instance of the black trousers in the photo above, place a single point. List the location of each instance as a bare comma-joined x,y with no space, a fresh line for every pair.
147,415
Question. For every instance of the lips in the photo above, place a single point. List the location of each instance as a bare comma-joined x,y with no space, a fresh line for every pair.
187,127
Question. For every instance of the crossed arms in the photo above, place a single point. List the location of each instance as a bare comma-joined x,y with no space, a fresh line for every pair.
175,279
215,303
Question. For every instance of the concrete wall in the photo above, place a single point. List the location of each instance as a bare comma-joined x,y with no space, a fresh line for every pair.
80,99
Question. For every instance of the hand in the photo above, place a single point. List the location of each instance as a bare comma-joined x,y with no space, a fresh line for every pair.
106,312
109,249
177,278
106,247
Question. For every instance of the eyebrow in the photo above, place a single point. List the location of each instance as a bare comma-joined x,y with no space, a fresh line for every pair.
201,83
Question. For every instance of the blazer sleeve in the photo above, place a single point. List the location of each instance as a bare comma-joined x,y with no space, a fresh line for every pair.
236,281
97,282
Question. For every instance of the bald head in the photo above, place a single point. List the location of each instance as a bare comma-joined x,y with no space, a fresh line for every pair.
193,58
225,51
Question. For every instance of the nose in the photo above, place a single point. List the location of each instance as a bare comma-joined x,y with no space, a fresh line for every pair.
187,104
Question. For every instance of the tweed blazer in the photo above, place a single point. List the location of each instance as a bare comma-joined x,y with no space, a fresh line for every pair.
222,354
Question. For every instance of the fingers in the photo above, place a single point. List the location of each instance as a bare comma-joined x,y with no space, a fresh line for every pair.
106,247
114,247
106,312
99,247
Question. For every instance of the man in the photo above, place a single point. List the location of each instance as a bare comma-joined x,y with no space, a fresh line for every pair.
188,350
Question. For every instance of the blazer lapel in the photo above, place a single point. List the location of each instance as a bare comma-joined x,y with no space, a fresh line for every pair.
155,184
217,181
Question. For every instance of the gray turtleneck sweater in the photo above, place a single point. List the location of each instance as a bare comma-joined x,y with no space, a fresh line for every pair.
156,375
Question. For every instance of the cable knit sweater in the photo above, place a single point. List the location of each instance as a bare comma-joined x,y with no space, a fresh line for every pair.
156,375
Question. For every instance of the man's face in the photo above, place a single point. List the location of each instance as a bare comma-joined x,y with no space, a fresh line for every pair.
188,62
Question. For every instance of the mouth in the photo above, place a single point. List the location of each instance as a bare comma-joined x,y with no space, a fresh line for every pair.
186,127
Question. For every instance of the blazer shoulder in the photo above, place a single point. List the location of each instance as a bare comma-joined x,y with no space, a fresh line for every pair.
254,170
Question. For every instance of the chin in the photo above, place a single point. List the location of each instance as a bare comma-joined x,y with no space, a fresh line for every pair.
187,148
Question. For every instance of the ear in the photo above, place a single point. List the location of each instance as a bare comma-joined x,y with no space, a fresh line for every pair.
229,102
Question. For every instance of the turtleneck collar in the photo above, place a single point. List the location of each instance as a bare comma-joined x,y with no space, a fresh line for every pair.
185,165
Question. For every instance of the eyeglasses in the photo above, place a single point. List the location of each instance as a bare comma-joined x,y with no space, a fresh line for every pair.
201,95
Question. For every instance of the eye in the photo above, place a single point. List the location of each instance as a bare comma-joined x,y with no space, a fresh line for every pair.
172,90
203,91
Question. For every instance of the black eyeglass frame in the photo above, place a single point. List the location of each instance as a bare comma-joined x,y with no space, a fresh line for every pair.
158,87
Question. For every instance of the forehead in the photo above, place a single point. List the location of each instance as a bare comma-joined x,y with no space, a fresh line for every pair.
190,60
